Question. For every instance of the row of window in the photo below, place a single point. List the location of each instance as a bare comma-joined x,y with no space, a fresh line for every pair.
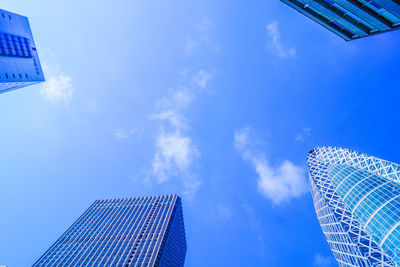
92,224
13,45
386,18
14,76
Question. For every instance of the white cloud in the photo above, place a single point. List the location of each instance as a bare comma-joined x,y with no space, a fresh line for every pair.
175,151
275,44
300,137
125,134
279,184
320,260
58,85
190,186
120,134
179,99
172,116
174,155
202,77
171,107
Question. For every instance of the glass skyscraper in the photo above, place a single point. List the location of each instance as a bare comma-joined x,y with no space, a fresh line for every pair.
141,231
19,61
357,201
351,19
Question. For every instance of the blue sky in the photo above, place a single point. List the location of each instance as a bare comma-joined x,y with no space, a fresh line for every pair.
217,101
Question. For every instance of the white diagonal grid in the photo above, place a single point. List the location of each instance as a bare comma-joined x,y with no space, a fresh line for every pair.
349,240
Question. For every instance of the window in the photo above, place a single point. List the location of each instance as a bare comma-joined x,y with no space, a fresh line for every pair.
13,45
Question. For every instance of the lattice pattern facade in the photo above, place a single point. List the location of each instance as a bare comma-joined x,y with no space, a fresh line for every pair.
143,231
357,201
351,19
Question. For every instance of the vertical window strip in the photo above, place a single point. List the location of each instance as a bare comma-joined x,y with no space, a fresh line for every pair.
98,232
140,228
128,250
160,210
113,254
165,222
130,231
118,242
160,206
112,235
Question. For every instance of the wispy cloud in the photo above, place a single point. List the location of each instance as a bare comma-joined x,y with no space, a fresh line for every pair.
323,261
125,134
175,150
301,136
58,85
275,43
120,135
200,38
171,107
202,77
280,183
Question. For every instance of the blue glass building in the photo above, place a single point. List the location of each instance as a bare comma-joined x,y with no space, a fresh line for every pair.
351,19
142,231
19,61
357,201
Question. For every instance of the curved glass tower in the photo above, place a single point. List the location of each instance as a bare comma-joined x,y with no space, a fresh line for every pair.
357,201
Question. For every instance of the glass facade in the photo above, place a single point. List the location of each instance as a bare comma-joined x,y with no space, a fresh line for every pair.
351,19
19,61
357,201
143,231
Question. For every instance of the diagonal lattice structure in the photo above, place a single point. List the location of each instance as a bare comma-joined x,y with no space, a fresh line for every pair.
357,201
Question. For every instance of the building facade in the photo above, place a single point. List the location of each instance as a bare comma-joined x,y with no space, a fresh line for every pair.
141,231
19,61
351,19
357,201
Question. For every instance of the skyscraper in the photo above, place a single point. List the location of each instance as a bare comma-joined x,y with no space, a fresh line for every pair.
141,231
351,19
357,201
19,61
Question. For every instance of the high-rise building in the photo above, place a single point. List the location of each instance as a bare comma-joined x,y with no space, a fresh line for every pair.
19,61
141,231
351,19
357,201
